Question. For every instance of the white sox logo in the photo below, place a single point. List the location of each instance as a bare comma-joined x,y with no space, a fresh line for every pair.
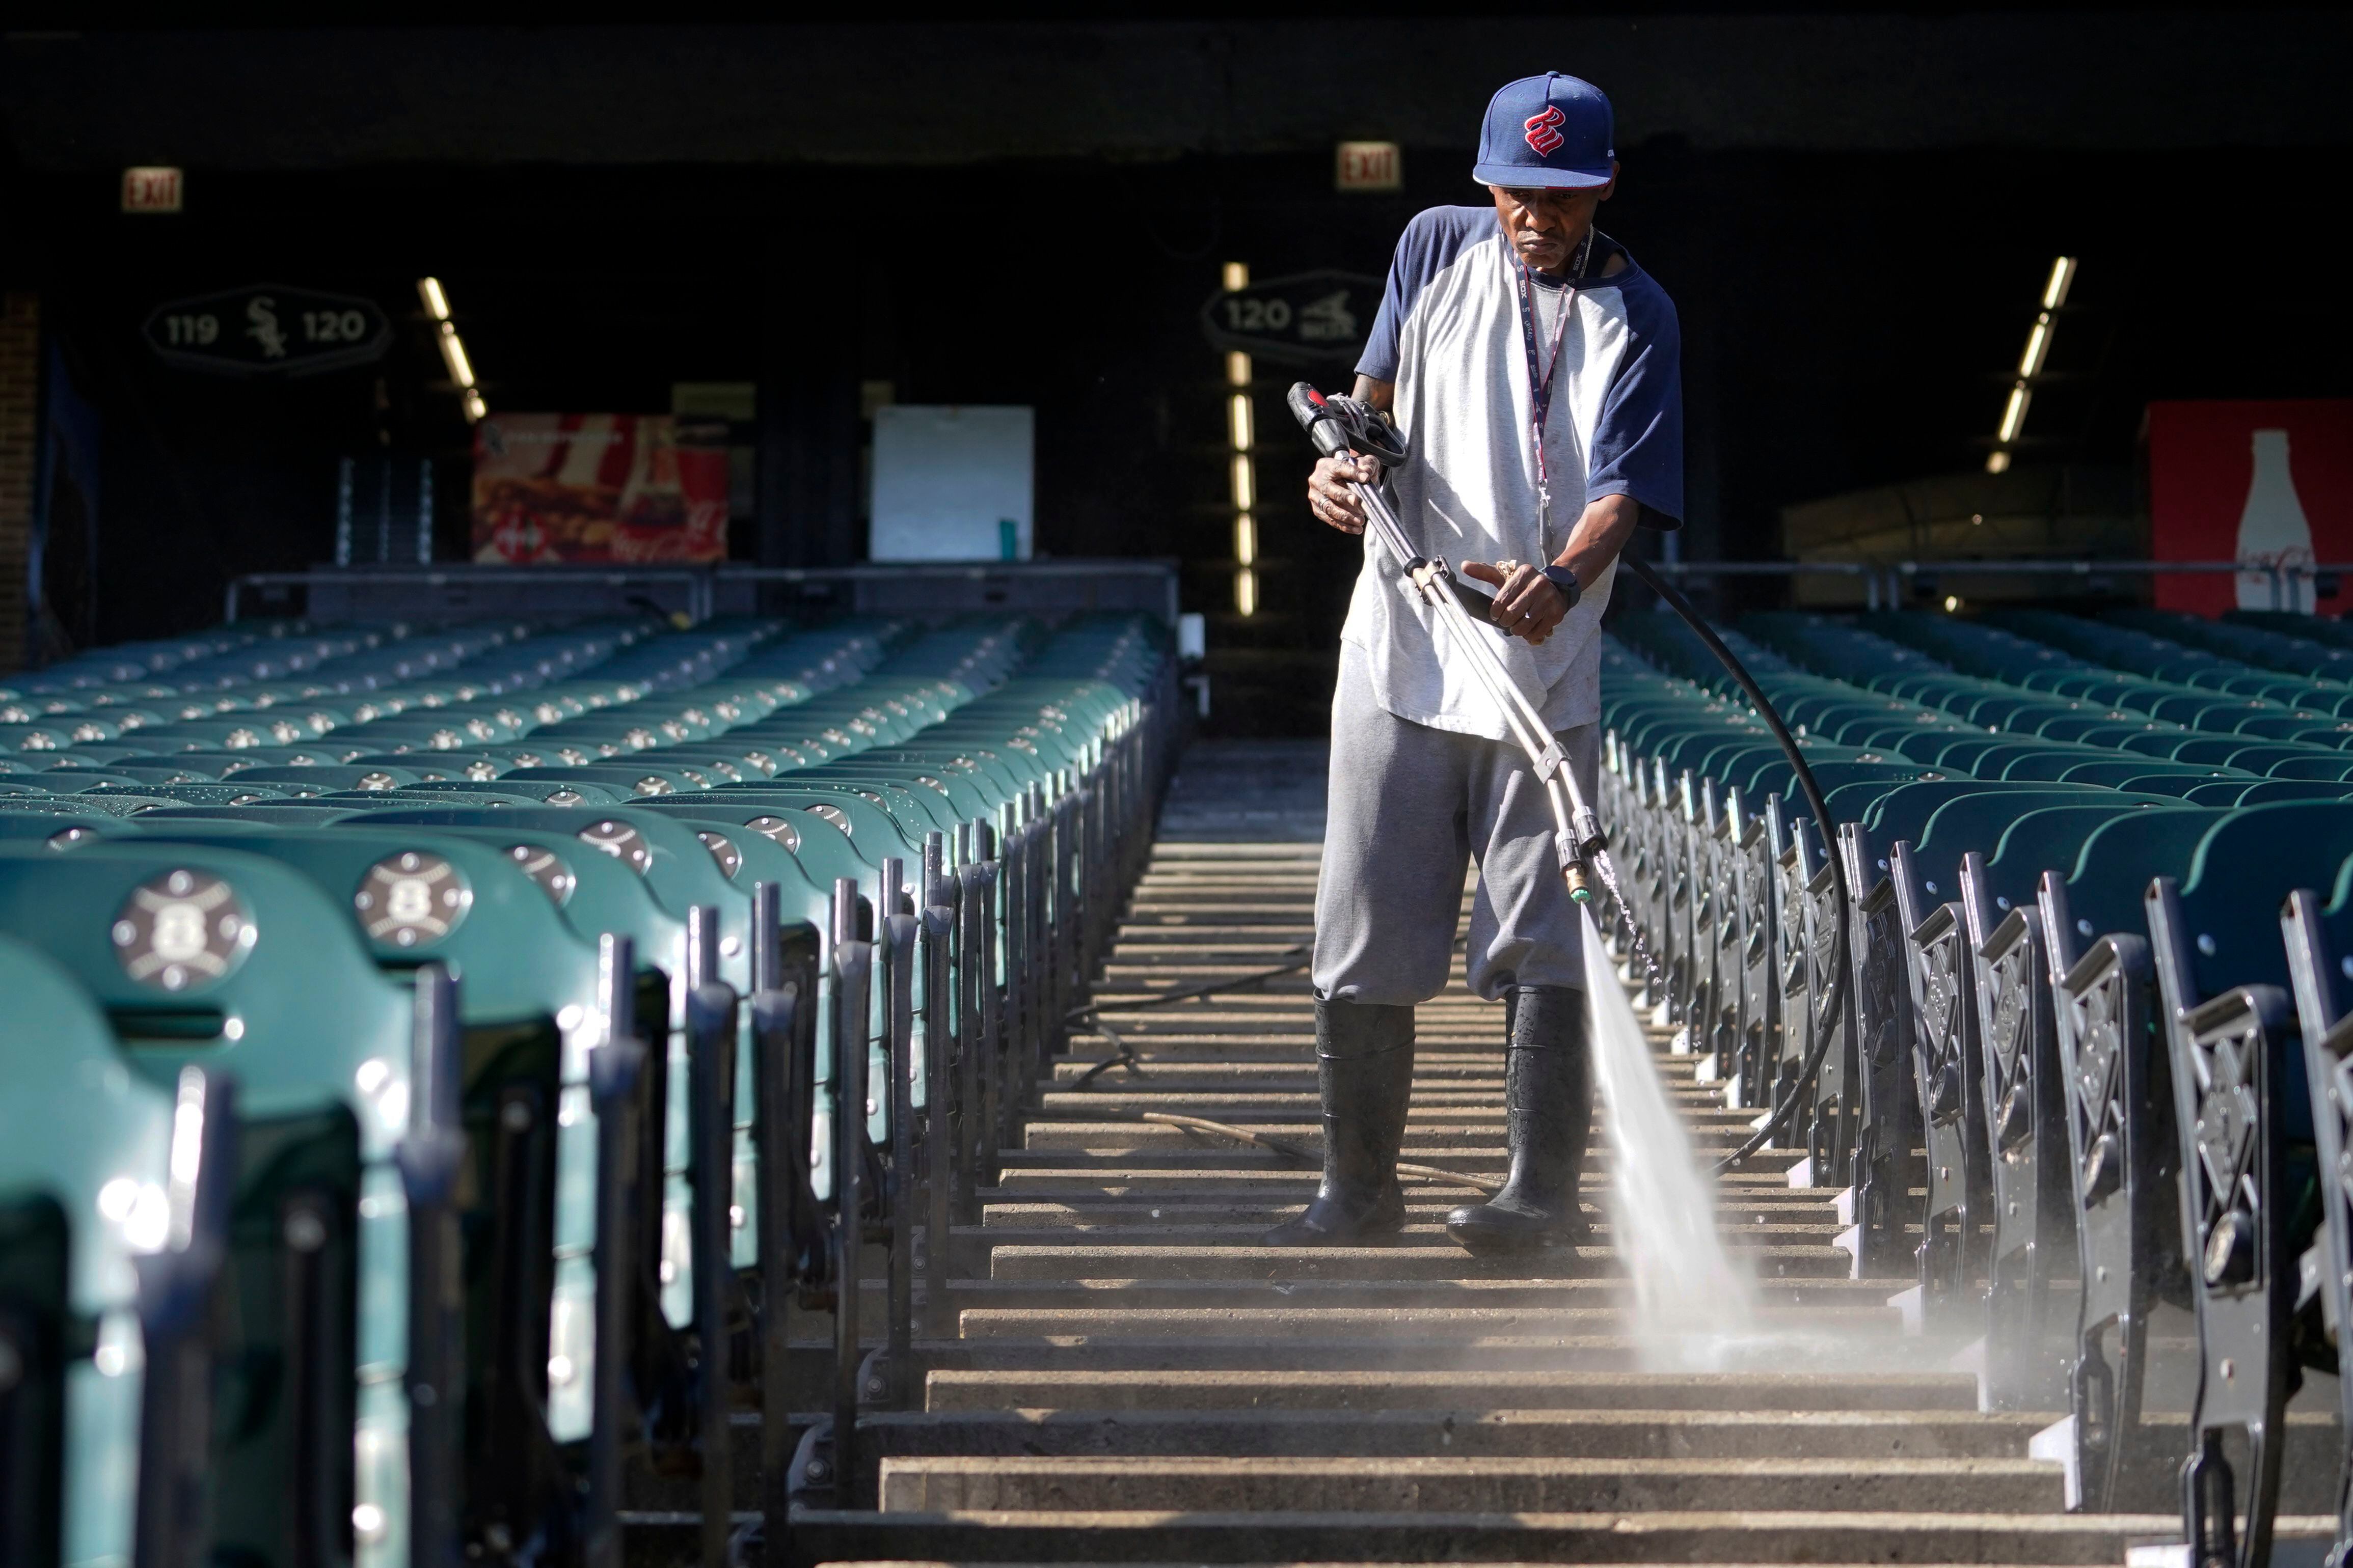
1543,135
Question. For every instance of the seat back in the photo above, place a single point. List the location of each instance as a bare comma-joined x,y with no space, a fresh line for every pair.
83,1175
201,955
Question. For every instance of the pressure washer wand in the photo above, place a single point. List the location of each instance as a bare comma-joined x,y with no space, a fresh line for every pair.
1345,425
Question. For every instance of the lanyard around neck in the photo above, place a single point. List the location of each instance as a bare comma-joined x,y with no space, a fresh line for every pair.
1540,372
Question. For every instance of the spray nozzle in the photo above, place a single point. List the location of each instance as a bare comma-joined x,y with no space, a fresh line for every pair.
1572,867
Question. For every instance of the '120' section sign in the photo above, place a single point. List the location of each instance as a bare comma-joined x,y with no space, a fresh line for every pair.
1309,317
268,329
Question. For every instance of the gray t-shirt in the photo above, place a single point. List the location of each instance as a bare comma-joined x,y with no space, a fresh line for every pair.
1448,335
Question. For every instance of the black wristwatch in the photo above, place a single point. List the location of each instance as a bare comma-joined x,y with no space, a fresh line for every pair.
1562,578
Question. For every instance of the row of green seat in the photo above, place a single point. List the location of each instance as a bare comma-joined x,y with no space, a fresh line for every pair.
2066,971
281,945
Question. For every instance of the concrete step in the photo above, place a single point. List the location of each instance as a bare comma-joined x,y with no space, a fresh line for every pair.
1469,1433
1775,1394
1059,1172
1179,852
1433,1143
1156,939
1188,948
1723,1536
1293,916
1130,984
1290,880
1169,1065
1538,1434
1227,904
1169,1072
1291,1014
1525,1288
1708,1125
1315,1313
1441,1345
1112,1095
1386,1267
1275,1482
1188,1027
1800,1211
1424,1228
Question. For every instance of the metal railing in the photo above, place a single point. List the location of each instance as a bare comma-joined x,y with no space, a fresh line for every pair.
694,580
704,591
1142,582
1884,581
1075,581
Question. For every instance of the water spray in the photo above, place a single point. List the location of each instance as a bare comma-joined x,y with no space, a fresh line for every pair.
1345,427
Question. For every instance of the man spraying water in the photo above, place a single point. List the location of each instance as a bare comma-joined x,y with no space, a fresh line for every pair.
1531,368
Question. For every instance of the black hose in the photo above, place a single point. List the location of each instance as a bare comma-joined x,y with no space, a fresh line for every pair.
1214,988
1834,1001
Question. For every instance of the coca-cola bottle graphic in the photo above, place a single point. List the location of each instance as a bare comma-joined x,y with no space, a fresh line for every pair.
2272,533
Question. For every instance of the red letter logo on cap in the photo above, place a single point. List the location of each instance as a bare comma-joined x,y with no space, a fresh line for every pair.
1541,134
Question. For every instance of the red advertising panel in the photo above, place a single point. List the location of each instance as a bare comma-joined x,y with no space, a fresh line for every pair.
2262,483
557,488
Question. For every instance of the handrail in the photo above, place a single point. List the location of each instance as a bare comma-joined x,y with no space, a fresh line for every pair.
465,572
1882,578
703,583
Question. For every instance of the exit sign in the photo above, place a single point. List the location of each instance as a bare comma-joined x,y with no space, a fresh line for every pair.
1368,166
152,190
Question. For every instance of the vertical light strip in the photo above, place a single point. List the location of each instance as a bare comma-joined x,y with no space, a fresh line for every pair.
2014,415
2063,278
1241,438
453,350
2030,362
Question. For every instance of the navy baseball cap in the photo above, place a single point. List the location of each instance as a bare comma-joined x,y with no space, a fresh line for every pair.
1549,129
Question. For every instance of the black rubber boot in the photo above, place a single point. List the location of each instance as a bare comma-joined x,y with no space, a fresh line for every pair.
1364,1065
1548,1102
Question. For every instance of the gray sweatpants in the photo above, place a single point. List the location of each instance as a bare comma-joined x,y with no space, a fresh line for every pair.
1409,806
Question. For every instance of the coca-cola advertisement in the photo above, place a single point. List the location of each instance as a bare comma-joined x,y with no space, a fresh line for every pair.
2266,484
552,488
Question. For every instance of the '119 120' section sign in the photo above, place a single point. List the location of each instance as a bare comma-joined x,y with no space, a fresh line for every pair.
268,330
1303,319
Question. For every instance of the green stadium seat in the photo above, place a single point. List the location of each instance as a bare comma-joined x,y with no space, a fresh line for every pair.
84,1175
203,956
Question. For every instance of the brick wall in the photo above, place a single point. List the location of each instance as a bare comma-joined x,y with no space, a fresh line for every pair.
20,380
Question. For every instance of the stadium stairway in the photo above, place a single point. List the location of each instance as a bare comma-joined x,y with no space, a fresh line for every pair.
1134,1378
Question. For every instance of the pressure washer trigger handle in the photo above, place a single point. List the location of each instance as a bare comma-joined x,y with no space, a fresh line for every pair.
1324,426
1370,430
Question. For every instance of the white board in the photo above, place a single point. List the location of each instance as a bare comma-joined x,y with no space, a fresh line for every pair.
947,480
